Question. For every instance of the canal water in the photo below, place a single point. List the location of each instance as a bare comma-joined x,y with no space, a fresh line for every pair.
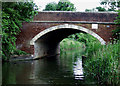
63,69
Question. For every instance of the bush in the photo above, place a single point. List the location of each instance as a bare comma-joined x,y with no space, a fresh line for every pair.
69,44
13,14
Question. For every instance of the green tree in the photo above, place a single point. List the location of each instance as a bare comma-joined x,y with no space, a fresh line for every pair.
111,5
13,14
100,8
96,9
90,10
63,5
51,7
106,5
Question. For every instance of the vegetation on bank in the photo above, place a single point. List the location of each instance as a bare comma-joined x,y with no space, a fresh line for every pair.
69,44
103,64
13,14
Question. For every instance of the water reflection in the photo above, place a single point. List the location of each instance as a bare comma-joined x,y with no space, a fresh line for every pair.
78,69
64,69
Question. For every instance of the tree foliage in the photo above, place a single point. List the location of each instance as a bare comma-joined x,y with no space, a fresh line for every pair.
111,5
13,14
51,7
100,8
106,5
63,5
90,10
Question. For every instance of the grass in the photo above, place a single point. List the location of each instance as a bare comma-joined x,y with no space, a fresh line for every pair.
103,64
92,48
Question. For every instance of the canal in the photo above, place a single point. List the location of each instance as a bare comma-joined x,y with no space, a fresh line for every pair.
63,69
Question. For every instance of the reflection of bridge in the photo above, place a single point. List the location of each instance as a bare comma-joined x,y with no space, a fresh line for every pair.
42,36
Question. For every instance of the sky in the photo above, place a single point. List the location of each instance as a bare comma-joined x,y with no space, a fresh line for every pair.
80,5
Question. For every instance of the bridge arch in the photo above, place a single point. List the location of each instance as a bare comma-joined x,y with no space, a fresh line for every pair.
46,43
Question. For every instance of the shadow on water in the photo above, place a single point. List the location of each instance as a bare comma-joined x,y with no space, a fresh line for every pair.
65,68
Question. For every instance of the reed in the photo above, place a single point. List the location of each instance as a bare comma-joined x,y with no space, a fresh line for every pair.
103,64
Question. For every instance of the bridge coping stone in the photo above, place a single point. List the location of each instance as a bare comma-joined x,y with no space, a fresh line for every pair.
78,12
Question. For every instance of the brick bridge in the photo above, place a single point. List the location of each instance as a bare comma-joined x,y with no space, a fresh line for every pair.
42,36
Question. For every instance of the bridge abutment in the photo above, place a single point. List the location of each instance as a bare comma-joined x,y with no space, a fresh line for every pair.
45,49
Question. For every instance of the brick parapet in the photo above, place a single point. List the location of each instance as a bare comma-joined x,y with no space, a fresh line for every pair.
76,16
